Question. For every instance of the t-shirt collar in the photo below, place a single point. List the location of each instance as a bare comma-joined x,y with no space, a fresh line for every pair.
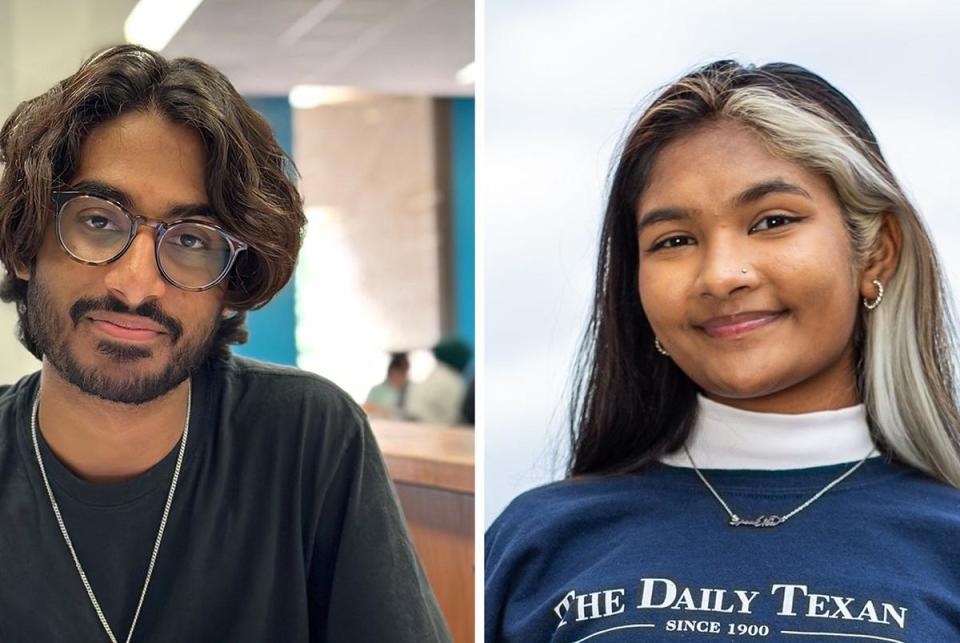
725,437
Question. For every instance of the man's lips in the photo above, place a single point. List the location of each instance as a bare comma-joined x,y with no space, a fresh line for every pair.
126,326
741,323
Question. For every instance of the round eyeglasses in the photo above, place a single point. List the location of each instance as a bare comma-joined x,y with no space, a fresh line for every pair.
191,255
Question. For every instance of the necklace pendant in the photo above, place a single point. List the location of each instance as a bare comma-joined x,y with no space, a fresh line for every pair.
761,521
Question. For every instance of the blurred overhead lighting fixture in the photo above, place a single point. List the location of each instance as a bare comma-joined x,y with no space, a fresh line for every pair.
310,96
319,214
466,75
153,23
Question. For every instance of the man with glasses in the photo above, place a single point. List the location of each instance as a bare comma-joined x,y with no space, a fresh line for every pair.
152,486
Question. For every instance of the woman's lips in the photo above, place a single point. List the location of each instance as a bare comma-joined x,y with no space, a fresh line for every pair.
741,324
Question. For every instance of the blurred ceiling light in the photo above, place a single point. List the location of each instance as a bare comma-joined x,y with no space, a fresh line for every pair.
307,22
466,75
319,214
153,23
310,96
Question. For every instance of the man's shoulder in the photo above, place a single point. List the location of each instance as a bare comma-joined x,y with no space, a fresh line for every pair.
8,400
262,391
266,375
10,393
13,404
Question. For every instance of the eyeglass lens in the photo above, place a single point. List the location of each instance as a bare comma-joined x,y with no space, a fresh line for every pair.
192,255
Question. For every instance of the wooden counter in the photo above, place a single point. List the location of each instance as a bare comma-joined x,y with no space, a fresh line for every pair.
432,468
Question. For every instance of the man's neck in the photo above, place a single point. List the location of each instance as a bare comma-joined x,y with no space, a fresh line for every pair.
102,441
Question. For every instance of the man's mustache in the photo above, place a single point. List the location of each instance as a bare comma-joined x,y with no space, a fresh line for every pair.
151,310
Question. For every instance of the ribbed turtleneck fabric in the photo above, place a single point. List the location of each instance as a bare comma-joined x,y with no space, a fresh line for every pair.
725,437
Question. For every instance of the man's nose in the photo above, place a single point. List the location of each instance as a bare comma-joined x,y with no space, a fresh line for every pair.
135,278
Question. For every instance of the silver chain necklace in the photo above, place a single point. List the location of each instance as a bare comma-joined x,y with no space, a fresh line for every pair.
771,520
66,536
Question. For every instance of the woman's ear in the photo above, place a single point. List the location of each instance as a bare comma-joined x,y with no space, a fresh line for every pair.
883,260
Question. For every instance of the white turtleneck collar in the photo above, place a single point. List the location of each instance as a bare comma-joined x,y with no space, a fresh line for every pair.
725,437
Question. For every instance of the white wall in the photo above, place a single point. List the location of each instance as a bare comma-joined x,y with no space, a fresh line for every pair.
562,80
41,43
368,274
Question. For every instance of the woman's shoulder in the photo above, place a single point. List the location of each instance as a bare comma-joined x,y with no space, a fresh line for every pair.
915,484
573,489
558,507
919,496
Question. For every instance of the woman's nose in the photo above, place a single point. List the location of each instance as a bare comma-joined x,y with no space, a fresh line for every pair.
725,268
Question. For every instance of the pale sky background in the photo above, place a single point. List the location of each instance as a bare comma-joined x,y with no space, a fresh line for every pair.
562,79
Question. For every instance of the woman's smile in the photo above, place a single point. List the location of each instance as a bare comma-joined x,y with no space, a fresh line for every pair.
740,324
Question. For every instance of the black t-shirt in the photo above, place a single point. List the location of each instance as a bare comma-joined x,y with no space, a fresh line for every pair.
284,526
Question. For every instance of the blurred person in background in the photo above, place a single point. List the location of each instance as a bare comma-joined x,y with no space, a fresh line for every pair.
386,398
438,398
157,486
470,402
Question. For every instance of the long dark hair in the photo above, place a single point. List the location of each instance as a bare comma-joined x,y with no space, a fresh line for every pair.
250,180
631,405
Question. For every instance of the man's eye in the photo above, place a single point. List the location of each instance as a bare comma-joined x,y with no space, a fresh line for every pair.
672,242
190,241
97,222
773,221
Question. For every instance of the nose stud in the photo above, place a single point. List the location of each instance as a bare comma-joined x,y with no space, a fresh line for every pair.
743,270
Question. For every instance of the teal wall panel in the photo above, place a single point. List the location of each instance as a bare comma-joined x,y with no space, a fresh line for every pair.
462,173
273,327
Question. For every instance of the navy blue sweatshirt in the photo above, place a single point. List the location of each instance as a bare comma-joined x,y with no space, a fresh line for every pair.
652,557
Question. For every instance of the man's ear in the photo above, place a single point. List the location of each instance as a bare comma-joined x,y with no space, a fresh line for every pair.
22,272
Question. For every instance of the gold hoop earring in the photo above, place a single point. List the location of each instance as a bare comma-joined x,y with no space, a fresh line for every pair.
656,342
870,305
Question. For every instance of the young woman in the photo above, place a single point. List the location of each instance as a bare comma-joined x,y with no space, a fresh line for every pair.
765,437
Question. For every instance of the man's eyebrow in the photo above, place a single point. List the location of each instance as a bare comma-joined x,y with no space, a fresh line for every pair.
180,211
661,215
764,188
103,190
190,211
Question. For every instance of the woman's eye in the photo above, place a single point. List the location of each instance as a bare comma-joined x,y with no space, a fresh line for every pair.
672,242
773,221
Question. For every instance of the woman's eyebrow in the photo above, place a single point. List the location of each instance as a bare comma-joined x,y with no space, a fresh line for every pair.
753,193
775,186
661,215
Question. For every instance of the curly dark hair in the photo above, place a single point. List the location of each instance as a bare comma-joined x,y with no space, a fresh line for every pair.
250,180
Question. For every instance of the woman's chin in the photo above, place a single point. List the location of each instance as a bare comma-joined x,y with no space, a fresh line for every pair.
748,387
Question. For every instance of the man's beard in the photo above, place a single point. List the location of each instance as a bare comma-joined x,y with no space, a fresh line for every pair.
47,329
